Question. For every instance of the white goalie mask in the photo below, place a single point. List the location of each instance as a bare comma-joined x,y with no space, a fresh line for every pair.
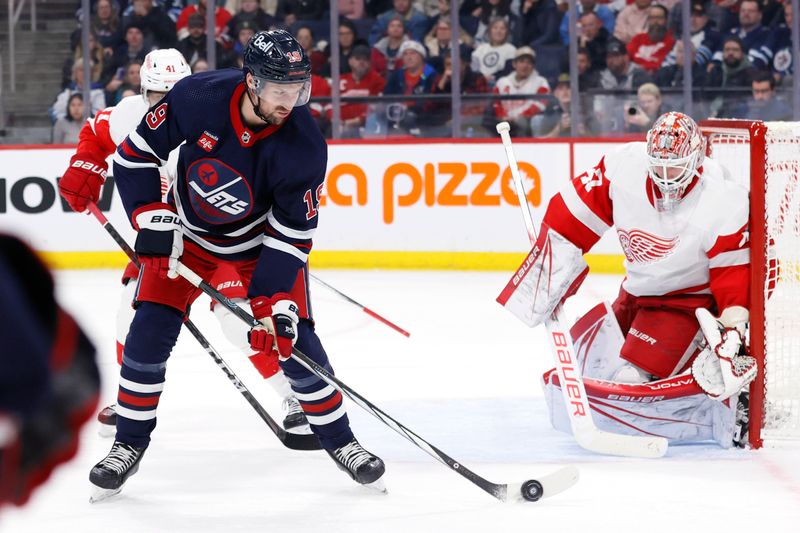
161,70
675,152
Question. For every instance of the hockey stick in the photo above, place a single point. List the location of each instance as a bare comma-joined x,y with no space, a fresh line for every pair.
529,490
576,402
293,441
364,308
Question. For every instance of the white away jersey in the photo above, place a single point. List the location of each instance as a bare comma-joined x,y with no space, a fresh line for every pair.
699,247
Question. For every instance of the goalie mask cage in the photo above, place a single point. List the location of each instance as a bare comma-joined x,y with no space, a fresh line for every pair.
765,157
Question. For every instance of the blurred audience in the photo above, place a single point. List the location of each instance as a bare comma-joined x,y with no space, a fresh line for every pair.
414,22
765,104
386,52
493,58
540,22
67,128
158,28
59,108
361,80
524,80
649,49
640,116
632,20
221,18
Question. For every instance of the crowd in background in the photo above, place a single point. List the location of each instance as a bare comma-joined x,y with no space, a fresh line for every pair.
630,59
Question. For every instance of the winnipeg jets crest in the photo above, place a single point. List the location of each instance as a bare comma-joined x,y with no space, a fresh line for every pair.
642,247
218,193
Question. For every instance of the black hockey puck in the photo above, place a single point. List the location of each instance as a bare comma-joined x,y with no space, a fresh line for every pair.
532,490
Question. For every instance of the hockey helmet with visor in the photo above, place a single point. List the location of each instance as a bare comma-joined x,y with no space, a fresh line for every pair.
675,152
280,68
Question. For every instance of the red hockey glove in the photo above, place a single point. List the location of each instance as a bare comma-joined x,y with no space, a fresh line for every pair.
81,182
278,330
159,243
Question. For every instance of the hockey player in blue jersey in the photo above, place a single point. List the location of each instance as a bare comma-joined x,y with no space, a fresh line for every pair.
247,196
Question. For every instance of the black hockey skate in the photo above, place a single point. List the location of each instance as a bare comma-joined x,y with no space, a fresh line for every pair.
364,467
742,429
109,475
295,417
108,421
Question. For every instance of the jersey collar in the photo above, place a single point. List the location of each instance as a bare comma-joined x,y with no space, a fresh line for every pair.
245,135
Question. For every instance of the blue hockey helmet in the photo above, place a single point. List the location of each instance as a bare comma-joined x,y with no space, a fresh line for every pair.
275,57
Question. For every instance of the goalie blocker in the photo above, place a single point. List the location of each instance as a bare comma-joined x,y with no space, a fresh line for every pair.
675,407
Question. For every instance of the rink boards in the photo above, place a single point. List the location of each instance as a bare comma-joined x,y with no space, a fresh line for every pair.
413,204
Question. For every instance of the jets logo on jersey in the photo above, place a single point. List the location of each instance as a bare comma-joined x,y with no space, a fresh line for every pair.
642,247
218,193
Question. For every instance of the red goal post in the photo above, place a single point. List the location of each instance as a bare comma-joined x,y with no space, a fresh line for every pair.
765,158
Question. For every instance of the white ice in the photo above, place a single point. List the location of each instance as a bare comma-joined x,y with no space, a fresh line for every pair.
467,380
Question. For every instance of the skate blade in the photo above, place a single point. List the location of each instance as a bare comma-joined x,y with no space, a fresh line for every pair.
378,485
99,494
301,430
106,431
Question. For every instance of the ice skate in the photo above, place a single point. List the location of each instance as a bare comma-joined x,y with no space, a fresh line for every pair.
364,467
295,420
108,421
109,475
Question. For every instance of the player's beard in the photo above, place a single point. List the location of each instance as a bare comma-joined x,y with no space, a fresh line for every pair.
277,116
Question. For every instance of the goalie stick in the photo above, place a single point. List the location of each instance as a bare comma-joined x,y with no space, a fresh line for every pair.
530,490
364,308
293,441
576,402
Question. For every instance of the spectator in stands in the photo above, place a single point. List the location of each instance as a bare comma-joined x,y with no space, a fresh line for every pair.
67,128
347,43
540,21
106,25
467,25
494,58
490,10
649,49
632,20
523,81
588,77
588,6
765,104
221,18
706,39
620,72
594,38
133,48
194,46
672,75
199,65
781,45
438,43
721,14
158,28
755,36
639,117
361,80
241,36
97,98
733,72
351,9
386,52
416,77
101,59
250,11
319,61
415,23
471,83
321,111
130,81
555,120
290,11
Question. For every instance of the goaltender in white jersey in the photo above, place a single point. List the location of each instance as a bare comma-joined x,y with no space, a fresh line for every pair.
656,361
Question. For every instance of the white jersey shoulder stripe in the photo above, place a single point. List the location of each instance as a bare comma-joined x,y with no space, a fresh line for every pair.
581,211
130,164
731,258
275,244
285,230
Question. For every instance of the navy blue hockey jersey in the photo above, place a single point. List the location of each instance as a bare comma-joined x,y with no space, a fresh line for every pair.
240,193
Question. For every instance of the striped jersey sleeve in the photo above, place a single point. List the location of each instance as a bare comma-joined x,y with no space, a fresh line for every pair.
729,268
582,211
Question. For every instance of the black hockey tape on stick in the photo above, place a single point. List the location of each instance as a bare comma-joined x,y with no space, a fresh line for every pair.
293,441
529,491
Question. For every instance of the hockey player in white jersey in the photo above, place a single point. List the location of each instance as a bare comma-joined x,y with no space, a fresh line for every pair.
81,184
667,357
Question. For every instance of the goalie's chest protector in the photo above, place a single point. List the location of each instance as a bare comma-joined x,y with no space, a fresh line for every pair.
667,252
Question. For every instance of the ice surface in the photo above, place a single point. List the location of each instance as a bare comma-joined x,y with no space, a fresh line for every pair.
467,380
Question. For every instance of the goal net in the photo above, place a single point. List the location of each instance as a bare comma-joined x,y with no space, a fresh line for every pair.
765,157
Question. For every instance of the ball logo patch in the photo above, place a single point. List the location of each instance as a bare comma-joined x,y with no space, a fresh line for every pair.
218,193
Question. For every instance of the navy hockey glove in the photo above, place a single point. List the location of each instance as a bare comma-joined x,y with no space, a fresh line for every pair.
82,181
277,333
159,243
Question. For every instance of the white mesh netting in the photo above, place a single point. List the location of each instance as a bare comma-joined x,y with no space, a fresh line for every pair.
782,287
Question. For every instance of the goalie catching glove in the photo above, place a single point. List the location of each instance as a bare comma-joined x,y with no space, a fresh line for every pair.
159,243
551,273
719,369
277,333
81,182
